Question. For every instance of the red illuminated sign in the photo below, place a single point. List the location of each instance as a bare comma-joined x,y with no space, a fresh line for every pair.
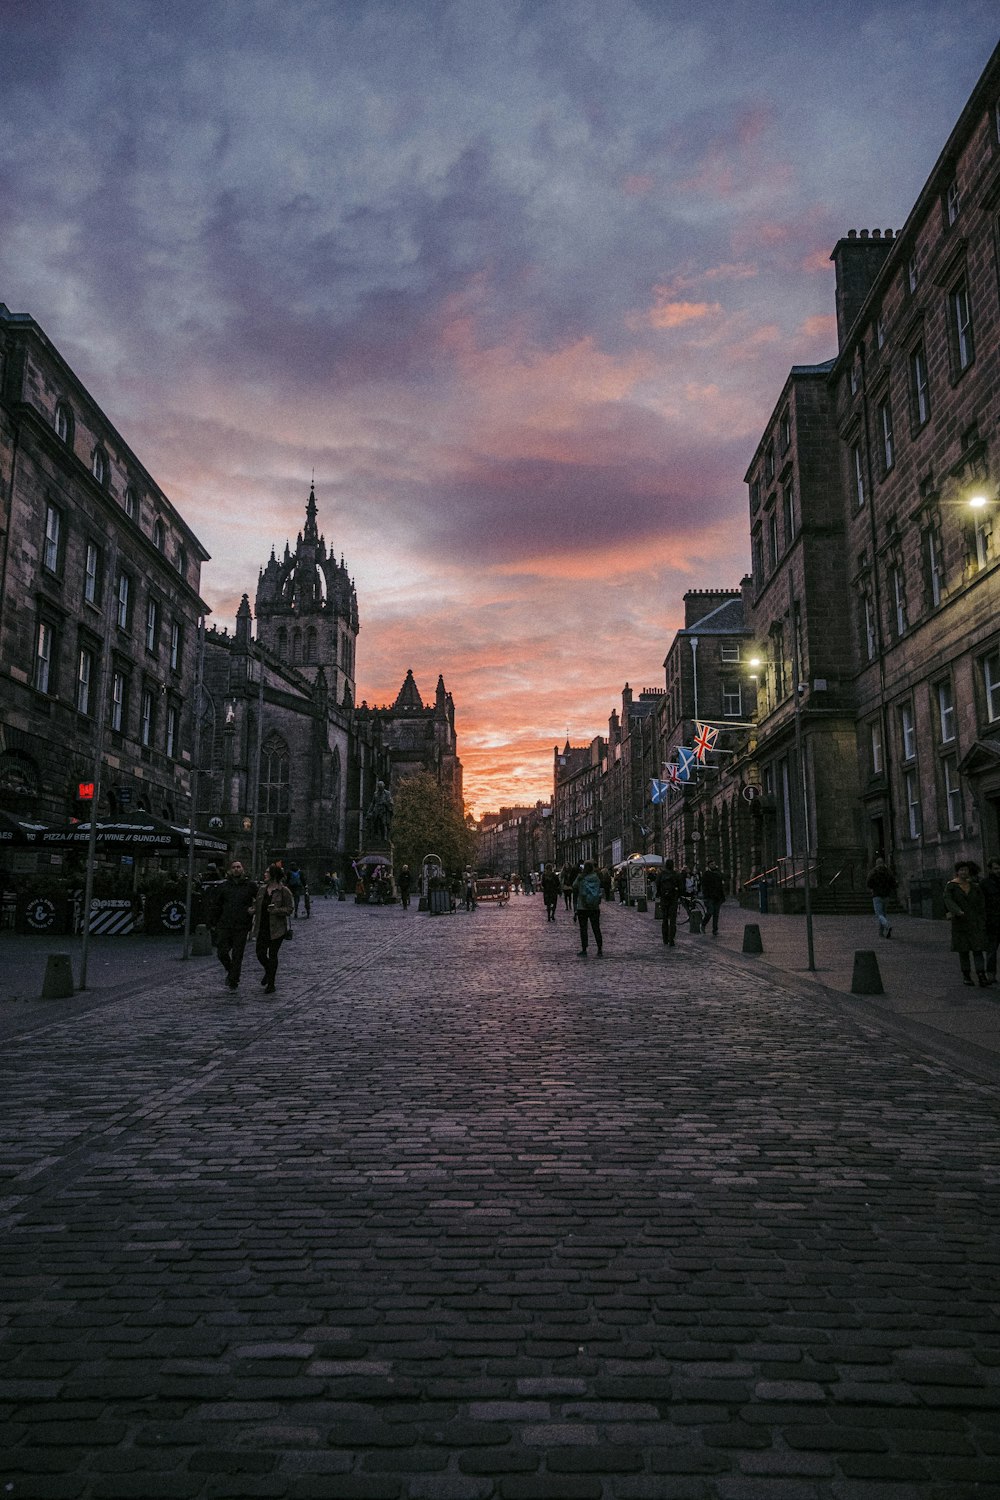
85,791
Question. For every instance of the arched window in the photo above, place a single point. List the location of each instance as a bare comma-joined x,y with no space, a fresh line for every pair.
296,645
131,504
64,424
311,643
274,775
99,466
159,535
181,560
283,643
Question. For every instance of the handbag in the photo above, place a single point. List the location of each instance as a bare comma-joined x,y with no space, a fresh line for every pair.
289,935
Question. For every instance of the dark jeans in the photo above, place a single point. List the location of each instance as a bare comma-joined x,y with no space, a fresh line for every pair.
230,944
712,909
404,896
267,955
668,926
550,908
593,918
977,957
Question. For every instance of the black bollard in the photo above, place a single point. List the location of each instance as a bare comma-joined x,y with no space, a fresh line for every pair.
58,981
866,979
751,938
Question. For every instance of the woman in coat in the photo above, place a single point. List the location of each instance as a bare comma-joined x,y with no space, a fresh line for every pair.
966,906
272,909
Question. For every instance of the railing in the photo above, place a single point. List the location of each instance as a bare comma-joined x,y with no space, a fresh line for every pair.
788,874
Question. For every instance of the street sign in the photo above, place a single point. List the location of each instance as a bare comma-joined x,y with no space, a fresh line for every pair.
750,793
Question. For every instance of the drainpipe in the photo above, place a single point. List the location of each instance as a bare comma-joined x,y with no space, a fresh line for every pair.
694,671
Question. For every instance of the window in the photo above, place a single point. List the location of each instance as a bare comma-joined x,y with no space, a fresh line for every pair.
152,626
946,712
99,466
159,535
961,327
857,464
769,463
920,396
875,747
181,560
730,651
788,513
784,431
756,548
173,731
880,332
897,584
912,278
952,201
274,763
176,644
855,375
119,701
92,574
52,548
772,538
64,424
885,432
908,732
952,793
123,602
131,504
935,570
732,700
778,657
868,626
84,679
146,717
45,640
911,795
991,685
981,539
754,493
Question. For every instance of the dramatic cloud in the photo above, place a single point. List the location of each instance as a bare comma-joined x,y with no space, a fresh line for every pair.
519,283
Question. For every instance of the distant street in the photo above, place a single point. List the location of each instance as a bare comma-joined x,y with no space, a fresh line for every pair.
459,1214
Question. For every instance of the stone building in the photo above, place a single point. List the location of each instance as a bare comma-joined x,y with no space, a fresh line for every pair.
576,802
630,759
515,841
289,761
99,601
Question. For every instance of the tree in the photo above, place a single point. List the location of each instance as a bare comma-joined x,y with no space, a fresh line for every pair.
426,821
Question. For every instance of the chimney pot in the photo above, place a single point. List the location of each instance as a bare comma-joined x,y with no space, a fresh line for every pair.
864,234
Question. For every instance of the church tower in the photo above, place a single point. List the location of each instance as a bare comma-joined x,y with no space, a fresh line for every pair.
307,611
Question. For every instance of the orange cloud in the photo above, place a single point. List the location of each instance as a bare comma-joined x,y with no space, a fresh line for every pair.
822,325
676,314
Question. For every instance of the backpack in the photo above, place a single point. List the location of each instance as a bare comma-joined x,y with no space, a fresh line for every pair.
590,893
295,879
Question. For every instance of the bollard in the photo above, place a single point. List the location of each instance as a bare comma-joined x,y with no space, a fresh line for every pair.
751,938
866,979
58,981
658,911
201,943
694,920
642,904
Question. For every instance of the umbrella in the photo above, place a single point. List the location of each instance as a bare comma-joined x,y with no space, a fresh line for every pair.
18,832
140,833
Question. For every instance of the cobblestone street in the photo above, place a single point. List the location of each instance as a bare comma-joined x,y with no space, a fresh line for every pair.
457,1214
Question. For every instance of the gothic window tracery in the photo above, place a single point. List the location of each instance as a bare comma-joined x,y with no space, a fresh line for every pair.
274,775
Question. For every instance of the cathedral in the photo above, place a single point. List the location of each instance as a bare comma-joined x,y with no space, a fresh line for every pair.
287,759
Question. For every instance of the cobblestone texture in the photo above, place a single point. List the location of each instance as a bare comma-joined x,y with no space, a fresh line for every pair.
456,1215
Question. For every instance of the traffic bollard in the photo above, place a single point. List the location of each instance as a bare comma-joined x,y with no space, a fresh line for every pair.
866,979
751,938
58,981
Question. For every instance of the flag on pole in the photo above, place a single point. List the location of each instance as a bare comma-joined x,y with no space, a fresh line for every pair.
659,791
685,760
704,740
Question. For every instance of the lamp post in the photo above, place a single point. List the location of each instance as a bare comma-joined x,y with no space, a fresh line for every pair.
798,688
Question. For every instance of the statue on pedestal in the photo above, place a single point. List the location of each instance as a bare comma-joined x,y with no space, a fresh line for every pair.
379,814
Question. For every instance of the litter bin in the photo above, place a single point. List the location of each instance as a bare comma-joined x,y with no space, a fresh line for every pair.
440,902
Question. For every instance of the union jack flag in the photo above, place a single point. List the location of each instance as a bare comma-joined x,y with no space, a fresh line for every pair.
704,740
671,774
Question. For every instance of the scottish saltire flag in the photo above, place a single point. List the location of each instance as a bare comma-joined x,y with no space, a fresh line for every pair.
685,760
704,740
659,791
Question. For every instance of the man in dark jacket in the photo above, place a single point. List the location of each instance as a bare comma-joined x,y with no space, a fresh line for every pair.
550,890
230,916
713,891
669,890
882,884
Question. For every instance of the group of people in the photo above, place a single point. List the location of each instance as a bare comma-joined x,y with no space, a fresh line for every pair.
972,904
585,887
239,908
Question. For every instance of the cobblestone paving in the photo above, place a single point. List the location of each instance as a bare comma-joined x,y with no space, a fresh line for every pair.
458,1215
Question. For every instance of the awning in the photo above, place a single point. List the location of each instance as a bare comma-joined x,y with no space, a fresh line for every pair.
19,833
142,833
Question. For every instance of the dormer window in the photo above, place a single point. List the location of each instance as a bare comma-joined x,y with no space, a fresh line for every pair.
99,466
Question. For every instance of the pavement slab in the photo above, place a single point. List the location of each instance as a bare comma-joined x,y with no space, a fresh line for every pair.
457,1213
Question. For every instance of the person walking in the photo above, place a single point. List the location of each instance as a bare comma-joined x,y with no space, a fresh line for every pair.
569,874
587,894
991,895
295,885
669,889
966,906
272,909
230,916
550,890
713,893
405,881
882,884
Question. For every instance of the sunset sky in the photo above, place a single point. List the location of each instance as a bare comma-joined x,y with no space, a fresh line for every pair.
519,279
